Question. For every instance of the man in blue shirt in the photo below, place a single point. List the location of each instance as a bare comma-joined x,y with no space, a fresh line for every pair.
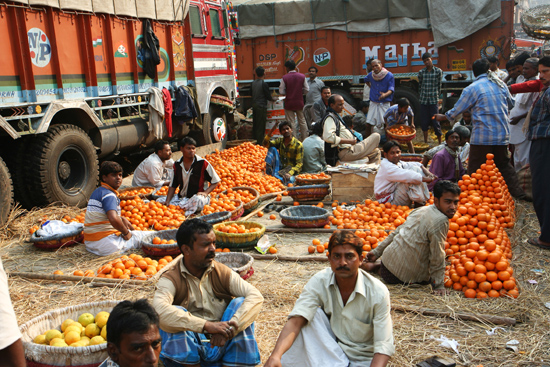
382,86
401,114
488,99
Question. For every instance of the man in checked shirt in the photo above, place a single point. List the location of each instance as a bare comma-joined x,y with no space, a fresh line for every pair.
429,81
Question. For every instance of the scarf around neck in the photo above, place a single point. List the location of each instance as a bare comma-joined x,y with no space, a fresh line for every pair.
381,75
455,155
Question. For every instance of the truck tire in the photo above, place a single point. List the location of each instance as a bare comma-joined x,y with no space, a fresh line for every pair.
63,167
412,96
6,193
347,97
214,126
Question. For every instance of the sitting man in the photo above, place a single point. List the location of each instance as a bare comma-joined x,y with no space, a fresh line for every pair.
105,231
133,338
401,114
446,164
314,150
320,106
342,317
463,146
360,118
415,251
286,152
338,135
191,173
206,309
157,169
398,182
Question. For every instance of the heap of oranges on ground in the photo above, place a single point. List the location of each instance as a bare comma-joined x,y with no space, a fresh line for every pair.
152,215
370,238
240,194
125,267
478,248
369,215
243,165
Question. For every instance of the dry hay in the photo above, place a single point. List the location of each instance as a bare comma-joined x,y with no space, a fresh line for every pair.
281,283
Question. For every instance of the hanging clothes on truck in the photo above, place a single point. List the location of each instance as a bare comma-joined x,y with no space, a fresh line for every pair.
167,97
151,56
184,108
156,112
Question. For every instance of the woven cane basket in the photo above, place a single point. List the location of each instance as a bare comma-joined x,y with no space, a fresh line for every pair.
300,181
58,241
241,241
237,213
238,262
309,192
46,356
252,203
216,218
410,134
304,217
122,194
160,250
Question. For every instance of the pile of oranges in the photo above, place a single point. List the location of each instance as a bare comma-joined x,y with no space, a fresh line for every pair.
237,228
158,241
163,191
313,176
243,165
136,192
125,267
478,248
77,219
243,195
369,215
370,238
151,215
219,205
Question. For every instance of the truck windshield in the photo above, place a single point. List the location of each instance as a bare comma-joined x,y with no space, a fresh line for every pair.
215,23
195,18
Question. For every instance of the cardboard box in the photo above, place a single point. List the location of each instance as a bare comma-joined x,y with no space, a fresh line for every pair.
352,187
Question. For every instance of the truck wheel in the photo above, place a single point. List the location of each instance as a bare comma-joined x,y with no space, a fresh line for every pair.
6,193
214,126
63,166
412,96
347,97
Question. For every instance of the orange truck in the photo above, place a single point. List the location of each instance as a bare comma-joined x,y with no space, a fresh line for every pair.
74,87
338,37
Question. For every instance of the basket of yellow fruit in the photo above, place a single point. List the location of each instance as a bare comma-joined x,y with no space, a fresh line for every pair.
70,336
161,243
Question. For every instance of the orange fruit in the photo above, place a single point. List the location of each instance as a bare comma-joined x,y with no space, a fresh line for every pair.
320,248
58,272
316,242
260,214
311,249
272,250
272,217
78,273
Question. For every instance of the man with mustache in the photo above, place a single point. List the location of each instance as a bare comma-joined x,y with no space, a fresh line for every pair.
342,317
415,251
206,310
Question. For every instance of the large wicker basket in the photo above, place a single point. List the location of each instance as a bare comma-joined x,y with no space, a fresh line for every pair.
241,241
151,249
300,181
409,135
123,196
304,217
252,203
44,355
58,241
238,262
217,217
237,213
309,192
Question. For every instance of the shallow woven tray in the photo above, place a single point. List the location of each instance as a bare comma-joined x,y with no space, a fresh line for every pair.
58,241
252,203
309,192
215,218
314,181
304,217
411,157
121,192
237,261
401,138
241,241
44,355
160,250
237,213
235,143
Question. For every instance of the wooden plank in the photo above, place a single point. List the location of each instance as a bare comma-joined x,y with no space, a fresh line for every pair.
289,258
259,208
311,230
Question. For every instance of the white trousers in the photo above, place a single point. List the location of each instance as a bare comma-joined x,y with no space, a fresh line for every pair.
114,244
521,154
405,193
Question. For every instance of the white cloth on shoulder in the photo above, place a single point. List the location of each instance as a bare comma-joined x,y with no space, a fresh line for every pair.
191,205
316,346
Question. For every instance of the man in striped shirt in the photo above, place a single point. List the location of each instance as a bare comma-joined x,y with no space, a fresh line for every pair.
489,100
105,230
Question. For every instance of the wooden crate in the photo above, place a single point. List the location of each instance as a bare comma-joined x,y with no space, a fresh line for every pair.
352,187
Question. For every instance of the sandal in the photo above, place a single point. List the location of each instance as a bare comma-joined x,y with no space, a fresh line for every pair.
535,242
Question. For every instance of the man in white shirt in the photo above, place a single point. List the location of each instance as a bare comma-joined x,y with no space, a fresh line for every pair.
524,101
11,347
401,183
342,317
313,95
155,170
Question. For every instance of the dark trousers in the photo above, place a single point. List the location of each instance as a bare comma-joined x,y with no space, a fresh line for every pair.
502,161
539,158
427,111
259,118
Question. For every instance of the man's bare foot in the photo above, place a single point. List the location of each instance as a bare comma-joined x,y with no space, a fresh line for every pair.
371,267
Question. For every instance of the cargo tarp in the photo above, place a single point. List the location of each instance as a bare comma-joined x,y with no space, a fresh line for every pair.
166,10
450,20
